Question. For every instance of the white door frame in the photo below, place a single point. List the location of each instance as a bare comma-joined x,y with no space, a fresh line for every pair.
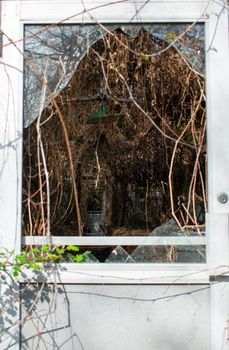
14,15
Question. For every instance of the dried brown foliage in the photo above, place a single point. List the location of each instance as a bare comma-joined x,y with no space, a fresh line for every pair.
139,174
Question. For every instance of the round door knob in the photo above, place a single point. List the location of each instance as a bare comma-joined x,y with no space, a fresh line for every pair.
222,197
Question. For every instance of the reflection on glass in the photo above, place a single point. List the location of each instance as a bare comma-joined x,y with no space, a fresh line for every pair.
115,141
54,53
146,254
119,255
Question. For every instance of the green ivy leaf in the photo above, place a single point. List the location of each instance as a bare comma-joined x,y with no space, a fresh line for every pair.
34,251
16,270
59,251
40,258
16,273
52,256
34,265
22,258
45,248
2,266
78,258
72,248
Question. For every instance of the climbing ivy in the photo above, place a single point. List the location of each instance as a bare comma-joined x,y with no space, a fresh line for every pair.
34,258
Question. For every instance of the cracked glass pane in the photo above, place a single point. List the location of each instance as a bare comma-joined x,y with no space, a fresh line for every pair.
54,53
119,255
168,254
115,135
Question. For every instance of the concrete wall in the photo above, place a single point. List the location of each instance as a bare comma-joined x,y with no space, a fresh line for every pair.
117,317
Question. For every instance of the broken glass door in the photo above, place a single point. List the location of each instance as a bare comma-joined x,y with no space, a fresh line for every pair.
114,141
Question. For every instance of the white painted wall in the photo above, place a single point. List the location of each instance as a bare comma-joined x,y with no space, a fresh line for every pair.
103,317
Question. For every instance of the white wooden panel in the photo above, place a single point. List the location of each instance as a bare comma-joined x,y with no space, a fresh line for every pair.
11,70
10,164
217,240
217,70
113,11
138,273
108,241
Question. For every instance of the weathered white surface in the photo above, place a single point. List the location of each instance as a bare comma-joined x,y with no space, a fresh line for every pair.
11,74
140,274
220,315
108,241
97,317
113,11
218,240
217,78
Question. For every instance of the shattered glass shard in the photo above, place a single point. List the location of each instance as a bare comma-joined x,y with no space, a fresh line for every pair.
119,255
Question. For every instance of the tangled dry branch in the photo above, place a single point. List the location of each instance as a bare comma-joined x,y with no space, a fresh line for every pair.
133,116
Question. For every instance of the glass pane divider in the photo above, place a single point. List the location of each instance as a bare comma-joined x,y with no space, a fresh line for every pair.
109,241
